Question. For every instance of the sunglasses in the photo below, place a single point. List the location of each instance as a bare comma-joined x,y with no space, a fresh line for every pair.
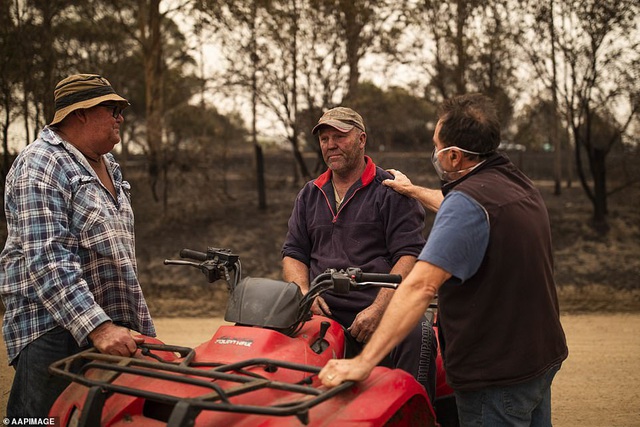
116,109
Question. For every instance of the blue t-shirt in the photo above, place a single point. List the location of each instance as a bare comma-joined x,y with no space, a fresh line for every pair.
459,237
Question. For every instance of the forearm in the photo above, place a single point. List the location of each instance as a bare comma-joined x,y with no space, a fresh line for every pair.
429,198
405,310
296,271
396,324
54,268
69,301
402,267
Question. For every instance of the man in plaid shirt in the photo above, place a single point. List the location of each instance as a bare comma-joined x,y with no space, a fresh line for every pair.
68,275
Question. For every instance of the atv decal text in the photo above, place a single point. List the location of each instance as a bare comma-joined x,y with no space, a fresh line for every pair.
234,341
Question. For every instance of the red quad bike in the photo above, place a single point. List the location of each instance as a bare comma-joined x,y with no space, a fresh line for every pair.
260,371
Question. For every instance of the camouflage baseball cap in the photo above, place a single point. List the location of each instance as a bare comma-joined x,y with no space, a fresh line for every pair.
341,118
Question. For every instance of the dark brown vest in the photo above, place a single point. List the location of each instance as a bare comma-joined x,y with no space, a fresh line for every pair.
502,326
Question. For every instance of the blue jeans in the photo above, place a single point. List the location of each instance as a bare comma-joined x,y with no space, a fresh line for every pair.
34,389
524,404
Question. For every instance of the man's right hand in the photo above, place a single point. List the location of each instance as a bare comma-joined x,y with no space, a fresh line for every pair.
115,340
320,307
428,197
400,183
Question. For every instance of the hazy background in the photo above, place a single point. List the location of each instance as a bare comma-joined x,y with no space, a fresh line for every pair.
216,142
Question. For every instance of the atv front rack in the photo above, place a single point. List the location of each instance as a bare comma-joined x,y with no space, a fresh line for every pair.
184,410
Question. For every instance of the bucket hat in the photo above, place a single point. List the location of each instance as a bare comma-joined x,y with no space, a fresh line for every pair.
82,91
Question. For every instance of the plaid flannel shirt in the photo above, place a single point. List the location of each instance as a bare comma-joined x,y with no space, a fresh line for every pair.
69,258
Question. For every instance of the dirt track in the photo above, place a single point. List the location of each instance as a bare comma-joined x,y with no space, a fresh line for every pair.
598,386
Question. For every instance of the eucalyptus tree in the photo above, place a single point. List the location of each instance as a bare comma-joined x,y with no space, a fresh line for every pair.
465,46
10,77
364,27
139,47
133,44
281,72
395,118
299,57
142,21
597,57
240,23
36,40
34,56
285,56
442,44
538,20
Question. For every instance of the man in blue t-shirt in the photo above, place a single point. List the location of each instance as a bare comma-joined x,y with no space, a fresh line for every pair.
489,260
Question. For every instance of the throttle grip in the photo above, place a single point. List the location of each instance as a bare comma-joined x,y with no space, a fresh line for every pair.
190,253
358,276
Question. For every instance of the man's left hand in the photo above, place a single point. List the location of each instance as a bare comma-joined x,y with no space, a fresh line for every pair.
337,371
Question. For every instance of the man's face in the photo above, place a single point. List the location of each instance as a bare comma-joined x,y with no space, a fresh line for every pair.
105,128
341,151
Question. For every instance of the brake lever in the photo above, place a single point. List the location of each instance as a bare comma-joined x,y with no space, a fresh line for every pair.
376,284
180,262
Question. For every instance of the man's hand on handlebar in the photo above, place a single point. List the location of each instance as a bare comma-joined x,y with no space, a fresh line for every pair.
115,340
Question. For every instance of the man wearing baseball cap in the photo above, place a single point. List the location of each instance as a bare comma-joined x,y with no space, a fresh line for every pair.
347,218
68,274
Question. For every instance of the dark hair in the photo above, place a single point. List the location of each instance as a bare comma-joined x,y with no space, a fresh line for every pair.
470,122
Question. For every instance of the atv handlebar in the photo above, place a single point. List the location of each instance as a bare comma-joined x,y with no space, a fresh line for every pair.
216,261
216,264
222,264
359,276
190,253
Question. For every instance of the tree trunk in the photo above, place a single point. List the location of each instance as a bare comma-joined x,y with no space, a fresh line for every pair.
302,165
353,40
461,19
555,134
6,161
262,198
49,59
149,24
599,200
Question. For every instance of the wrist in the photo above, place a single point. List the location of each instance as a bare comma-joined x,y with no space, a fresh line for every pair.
99,329
366,360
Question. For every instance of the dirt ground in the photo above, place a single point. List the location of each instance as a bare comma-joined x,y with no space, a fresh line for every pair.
598,385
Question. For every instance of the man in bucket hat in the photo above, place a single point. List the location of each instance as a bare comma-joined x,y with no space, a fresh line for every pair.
68,275
347,218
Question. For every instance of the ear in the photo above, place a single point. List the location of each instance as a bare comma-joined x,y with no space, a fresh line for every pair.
362,140
81,115
455,156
